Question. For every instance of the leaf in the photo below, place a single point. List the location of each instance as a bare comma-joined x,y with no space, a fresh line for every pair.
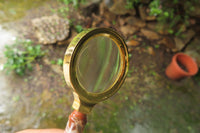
60,62
29,66
79,28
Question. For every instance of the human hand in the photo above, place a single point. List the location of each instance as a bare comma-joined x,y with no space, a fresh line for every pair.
42,131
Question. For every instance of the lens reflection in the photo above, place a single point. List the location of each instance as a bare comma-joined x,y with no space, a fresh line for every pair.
98,64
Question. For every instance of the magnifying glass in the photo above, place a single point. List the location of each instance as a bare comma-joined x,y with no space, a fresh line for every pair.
95,66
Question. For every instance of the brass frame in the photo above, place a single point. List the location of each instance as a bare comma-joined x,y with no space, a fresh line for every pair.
84,100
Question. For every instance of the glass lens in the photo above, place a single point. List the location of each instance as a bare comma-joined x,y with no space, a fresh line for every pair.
98,64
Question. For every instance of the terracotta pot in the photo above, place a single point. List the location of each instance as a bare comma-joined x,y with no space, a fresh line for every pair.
181,66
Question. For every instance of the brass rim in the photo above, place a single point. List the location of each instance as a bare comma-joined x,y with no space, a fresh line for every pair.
70,62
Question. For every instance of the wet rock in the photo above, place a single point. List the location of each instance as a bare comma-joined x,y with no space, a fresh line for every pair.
193,49
118,7
143,10
187,36
181,42
135,22
121,21
128,30
158,27
168,42
151,51
151,35
51,29
132,43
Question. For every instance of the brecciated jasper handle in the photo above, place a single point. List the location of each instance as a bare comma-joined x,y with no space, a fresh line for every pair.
76,122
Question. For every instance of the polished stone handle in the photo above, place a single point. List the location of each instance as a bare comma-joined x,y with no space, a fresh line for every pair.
76,122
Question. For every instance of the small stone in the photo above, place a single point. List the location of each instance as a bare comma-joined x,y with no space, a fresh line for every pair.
144,15
187,36
130,49
121,21
151,35
168,42
128,30
193,50
56,68
179,44
135,22
151,51
119,7
132,43
192,21
158,27
142,12
106,23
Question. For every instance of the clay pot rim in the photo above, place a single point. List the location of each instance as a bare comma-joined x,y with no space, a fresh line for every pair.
189,72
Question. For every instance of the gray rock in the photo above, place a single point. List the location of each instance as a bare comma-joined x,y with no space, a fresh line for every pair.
136,22
181,42
158,27
128,30
144,15
118,7
193,49
168,42
51,29
187,36
151,35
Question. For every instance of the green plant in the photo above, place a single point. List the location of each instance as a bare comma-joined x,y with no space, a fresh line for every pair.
21,55
157,46
78,28
134,36
76,3
130,3
172,13
114,22
60,62
63,11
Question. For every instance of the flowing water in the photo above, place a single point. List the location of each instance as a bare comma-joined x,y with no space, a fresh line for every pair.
148,102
